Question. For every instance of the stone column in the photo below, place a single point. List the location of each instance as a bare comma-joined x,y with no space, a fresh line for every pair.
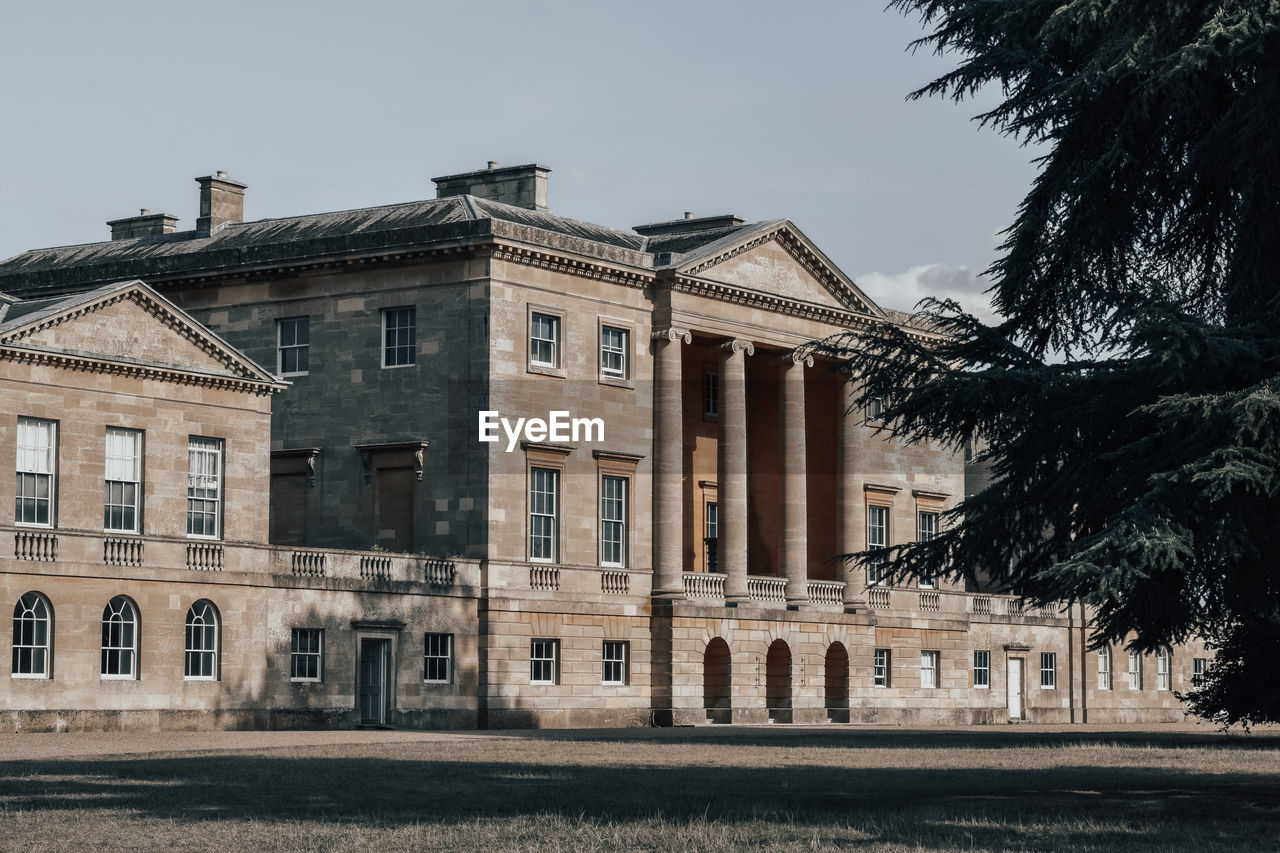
852,503
732,480
795,515
668,464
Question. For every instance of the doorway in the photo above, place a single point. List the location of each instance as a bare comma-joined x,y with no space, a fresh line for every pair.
777,682
1014,686
375,681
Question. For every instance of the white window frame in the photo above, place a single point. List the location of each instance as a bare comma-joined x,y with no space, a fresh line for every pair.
875,410
119,618
1199,669
615,351
540,513
437,650
302,350
36,464
554,342
614,658
390,348
1164,668
206,477
32,609
544,661
982,669
710,394
209,647
124,469
1104,668
929,669
303,655
1048,670
1135,670
882,667
613,521
877,538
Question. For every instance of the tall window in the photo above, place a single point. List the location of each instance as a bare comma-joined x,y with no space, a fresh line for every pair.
982,668
710,395
542,661
880,673
204,486
1135,670
202,642
877,537
544,340
613,521
1048,670
543,499
293,346
437,658
31,623
123,480
875,410
399,336
306,654
613,352
37,450
711,535
119,639
1200,668
1164,668
1104,668
928,669
614,667
926,526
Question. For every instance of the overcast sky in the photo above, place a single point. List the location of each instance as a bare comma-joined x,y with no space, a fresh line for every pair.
642,111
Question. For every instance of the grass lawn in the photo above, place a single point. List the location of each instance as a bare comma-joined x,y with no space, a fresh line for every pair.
776,788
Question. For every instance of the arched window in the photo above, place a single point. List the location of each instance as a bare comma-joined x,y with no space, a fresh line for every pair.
120,639
32,618
202,642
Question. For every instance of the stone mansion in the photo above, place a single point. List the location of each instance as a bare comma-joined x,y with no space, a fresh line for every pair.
467,462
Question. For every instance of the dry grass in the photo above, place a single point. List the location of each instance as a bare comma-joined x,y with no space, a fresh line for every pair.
688,790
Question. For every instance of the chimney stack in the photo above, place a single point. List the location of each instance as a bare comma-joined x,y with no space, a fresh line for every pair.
221,203
145,224
521,186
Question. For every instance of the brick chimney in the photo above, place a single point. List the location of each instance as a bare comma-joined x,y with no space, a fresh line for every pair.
521,186
221,202
145,224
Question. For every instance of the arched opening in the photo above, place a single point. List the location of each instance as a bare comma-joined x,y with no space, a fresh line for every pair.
717,683
835,672
777,682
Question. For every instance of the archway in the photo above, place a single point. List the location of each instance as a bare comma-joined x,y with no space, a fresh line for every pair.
777,682
717,682
836,677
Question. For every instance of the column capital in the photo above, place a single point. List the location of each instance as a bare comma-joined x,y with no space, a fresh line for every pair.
797,356
673,333
738,345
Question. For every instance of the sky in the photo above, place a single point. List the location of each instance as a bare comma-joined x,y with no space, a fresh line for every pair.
642,110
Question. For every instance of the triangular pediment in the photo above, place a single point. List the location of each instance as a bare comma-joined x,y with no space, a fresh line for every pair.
129,323
780,262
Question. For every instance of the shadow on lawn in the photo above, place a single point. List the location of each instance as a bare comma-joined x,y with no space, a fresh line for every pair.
982,807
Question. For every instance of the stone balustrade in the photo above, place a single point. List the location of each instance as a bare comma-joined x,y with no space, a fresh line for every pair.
703,585
826,592
766,588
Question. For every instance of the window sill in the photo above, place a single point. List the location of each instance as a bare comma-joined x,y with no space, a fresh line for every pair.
209,679
398,366
30,676
545,370
306,681
33,525
118,677
617,382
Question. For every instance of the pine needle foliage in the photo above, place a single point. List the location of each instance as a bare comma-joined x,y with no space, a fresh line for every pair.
1129,397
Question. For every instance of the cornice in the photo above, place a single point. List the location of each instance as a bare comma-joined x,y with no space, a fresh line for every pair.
87,364
541,259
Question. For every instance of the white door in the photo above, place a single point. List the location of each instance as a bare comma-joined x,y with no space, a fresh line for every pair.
1015,688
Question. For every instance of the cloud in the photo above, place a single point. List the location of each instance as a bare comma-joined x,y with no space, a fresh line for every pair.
903,290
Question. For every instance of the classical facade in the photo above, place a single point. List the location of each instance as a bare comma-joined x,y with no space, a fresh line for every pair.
526,470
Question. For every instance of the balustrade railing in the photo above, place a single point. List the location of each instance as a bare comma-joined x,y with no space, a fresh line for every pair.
826,592
545,578
122,552
375,567
33,545
440,572
878,598
703,585
309,564
930,602
766,589
980,605
204,557
615,582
